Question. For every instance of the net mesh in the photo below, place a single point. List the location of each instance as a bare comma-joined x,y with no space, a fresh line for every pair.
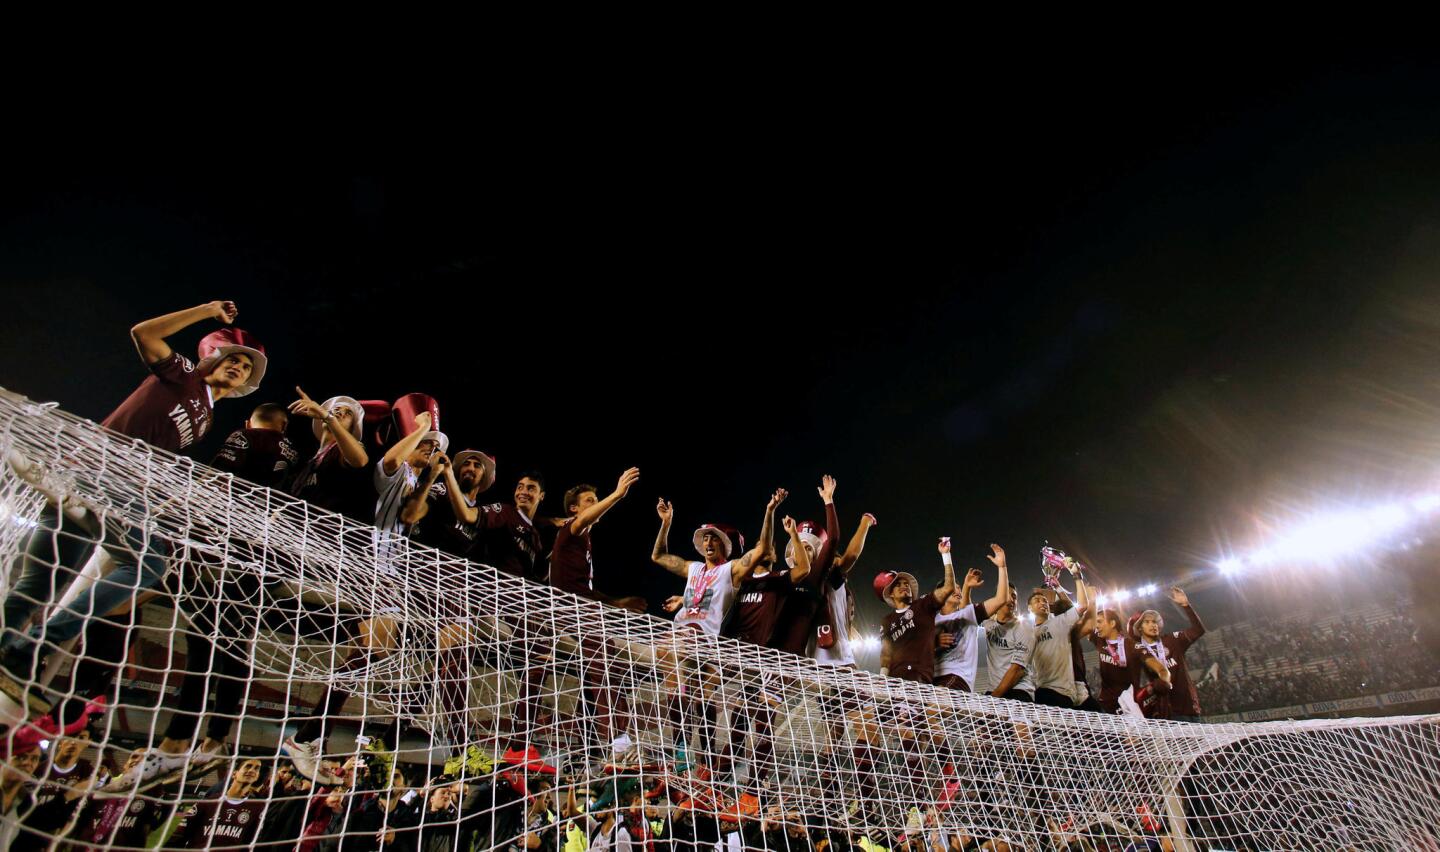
521,717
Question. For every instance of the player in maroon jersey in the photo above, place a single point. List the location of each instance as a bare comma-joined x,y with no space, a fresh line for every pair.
759,602
907,649
1169,648
572,569
172,409
805,603
1122,665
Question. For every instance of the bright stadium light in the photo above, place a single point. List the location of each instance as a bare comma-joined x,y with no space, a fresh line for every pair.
1147,590
1230,567
1101,600
1122,595
1426,503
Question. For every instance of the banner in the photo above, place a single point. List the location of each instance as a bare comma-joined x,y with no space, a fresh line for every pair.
1389,699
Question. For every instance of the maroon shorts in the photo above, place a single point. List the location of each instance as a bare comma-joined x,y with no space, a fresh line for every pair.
952,682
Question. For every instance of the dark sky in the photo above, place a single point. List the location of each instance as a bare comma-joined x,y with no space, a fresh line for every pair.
1138,313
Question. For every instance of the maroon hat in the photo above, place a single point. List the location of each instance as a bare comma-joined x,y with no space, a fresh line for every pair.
810,533
226,341
408,407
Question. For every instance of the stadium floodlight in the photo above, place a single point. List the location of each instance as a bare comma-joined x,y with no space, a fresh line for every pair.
1425,503
1147,590
1122,595
1230,566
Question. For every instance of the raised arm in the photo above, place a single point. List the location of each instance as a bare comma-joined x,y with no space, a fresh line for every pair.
801,569
764,549
825,562
464,512
1083,599
1002,588
973,579
149,336
856,545
597,510
1197,627
352,452
417,503
396,455
887,649
661,555
947,588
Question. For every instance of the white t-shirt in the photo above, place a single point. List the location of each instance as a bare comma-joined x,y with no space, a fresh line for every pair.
1053,664
962,658
616,840
1005,645
709,592
840,653
393,488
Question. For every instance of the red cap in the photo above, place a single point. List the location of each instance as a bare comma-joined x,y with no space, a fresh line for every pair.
883,581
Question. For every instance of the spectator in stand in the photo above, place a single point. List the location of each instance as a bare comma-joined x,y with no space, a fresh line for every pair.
231,819
172,409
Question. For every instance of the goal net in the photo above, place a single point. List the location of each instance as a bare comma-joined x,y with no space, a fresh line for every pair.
277,676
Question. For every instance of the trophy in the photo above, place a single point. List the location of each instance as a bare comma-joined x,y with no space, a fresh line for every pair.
1053,560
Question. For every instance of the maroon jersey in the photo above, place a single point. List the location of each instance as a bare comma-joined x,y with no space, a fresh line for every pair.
572,568
326,481
757,607
172,409
911,633
262,456
118,821
220,822
55,781
509,541
1121,667
1184,701
440,528
805,607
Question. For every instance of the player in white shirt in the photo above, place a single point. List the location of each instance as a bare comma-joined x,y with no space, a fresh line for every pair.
1009,643
710,588
1053,671
960,634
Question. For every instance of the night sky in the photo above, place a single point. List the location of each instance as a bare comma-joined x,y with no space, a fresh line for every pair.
1140,318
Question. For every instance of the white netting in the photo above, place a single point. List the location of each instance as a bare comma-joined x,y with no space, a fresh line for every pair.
268,602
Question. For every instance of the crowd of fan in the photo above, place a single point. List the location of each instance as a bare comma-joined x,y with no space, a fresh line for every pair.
1301,662
386,465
